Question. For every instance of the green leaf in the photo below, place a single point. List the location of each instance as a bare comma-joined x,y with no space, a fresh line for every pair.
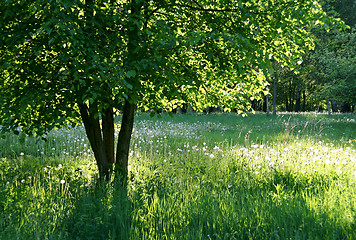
131,74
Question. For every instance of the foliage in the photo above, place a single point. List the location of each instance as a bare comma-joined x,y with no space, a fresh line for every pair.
327,72
345,9
63,62
337,66
189,54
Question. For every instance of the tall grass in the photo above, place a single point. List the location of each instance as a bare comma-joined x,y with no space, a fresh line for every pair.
217,176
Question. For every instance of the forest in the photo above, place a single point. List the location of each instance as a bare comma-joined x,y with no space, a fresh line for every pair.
326,78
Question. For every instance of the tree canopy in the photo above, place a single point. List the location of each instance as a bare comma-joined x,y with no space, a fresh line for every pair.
64,62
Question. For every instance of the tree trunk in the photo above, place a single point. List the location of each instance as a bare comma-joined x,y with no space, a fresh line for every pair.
109,134
123,144
92,128
297,101
287,103
304,101
267,104
267,99
274,96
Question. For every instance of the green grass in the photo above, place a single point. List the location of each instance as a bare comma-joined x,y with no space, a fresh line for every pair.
217,176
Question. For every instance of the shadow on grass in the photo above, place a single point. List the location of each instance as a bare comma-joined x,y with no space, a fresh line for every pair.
243,205
104,212
282,208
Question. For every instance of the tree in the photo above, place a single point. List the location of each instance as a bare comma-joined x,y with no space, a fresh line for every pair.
338,68
66,62
330,66
345,9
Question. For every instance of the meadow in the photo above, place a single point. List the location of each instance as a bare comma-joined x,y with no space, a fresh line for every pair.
193,176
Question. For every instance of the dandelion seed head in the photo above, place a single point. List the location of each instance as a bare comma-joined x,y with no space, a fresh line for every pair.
271,164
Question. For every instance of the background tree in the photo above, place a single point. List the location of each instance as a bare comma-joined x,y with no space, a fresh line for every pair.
338,68
70,62
315,81
334,58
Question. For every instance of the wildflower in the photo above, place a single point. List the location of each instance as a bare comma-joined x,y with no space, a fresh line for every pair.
62,181
23,180
211,155
21,154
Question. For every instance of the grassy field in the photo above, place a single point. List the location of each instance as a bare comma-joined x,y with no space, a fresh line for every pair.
217,176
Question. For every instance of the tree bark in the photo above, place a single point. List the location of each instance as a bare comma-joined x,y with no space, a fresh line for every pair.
109,134
274,96
304,101
297,101
133,49
267,105
92,128
123,144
